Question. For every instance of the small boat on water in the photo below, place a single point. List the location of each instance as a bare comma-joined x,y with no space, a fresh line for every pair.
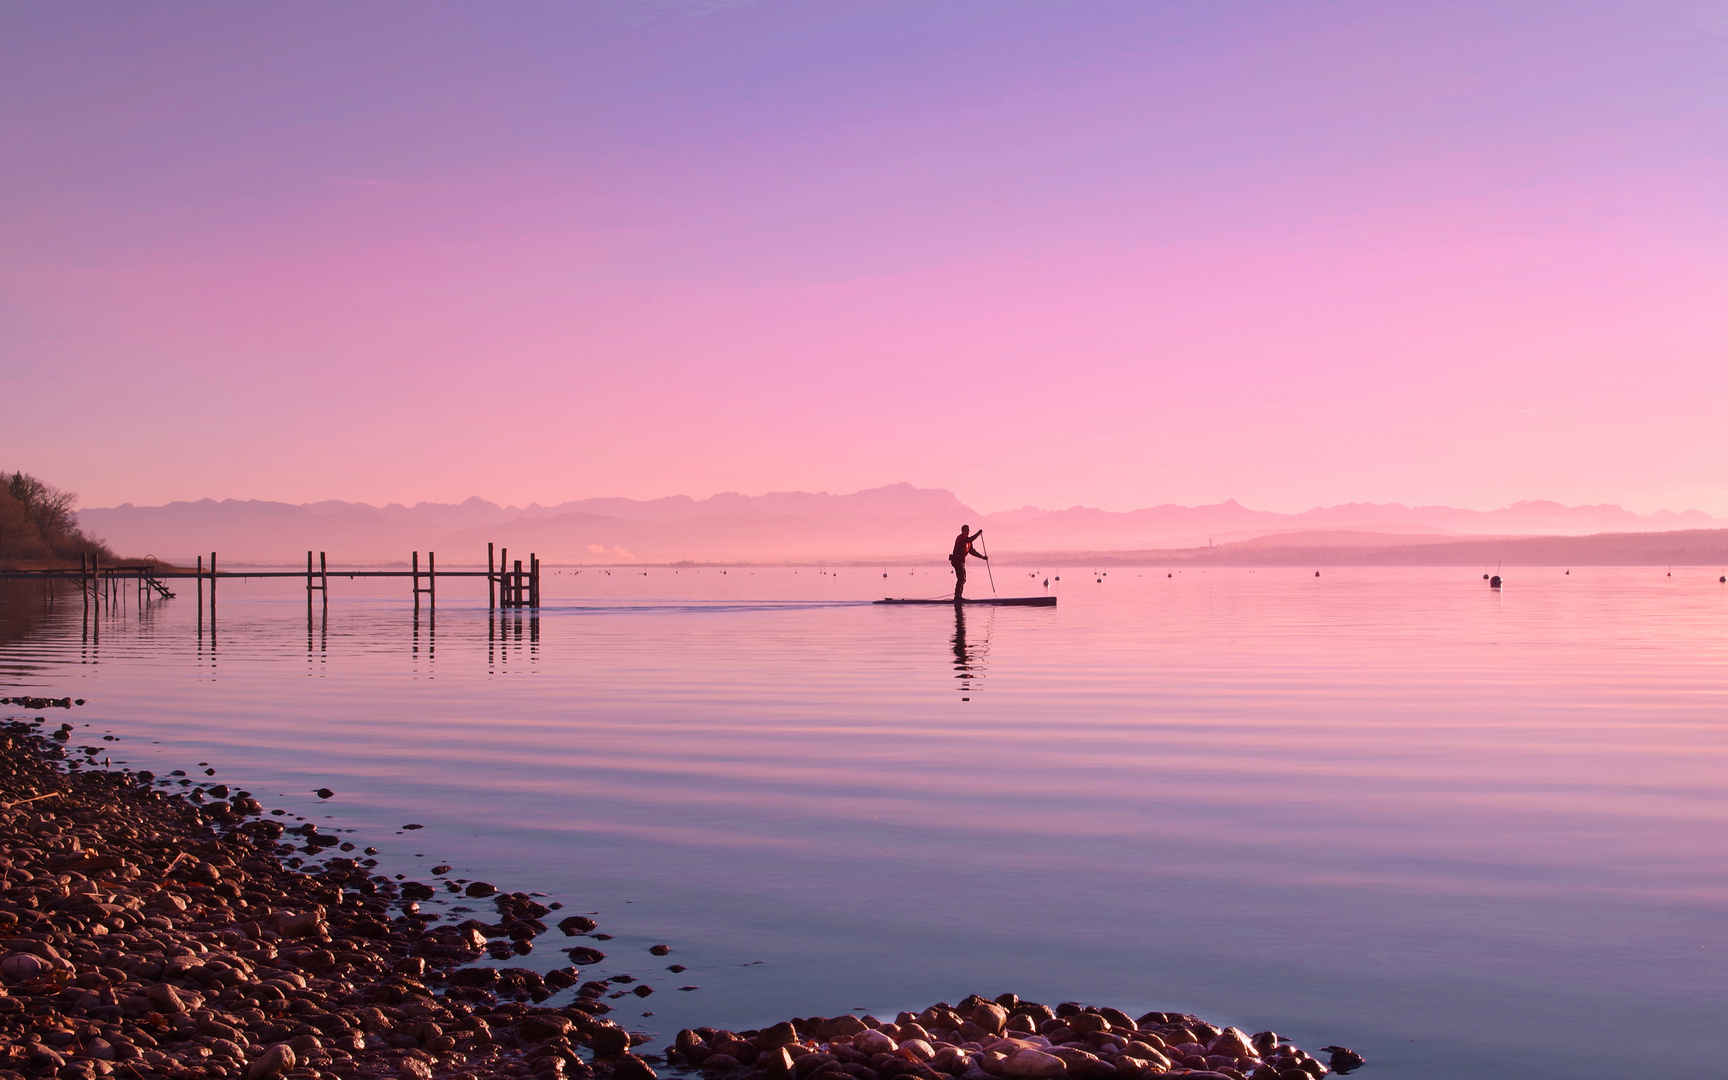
1002,601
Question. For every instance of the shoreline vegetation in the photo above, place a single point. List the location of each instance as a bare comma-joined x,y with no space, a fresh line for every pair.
39,527
171,927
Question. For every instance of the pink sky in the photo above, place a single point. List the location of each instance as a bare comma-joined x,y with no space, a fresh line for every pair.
1106,253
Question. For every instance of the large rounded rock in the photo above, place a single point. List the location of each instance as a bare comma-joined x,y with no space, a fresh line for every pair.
1083,1023
475,977
301,924
1155,1058
272,1062
843,1025
608,1040
412,1068
631,1067
991,1017
167,999
1031,1064
538,1027
165,901
777,1036
20,967
1081,1062
1232,1042
917,1050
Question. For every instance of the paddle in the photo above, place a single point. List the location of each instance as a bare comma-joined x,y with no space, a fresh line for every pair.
986,553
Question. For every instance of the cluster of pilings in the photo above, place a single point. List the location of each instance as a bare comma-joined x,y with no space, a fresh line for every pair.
104,585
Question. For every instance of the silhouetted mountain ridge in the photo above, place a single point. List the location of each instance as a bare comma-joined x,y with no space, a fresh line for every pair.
897,521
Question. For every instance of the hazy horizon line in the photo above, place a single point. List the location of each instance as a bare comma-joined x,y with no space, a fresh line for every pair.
732,492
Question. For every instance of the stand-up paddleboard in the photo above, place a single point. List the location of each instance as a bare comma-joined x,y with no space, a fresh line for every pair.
1003,601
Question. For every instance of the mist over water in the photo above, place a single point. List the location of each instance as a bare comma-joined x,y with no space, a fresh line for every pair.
1459,830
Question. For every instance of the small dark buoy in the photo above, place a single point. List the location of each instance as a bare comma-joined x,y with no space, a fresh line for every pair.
1316,573
1344,1059
1494,582
1568,573
325,793
1723,579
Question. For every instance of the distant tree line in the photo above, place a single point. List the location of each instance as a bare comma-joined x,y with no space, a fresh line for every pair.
38,522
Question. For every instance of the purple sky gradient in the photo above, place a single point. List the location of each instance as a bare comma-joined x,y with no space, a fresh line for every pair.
1106,253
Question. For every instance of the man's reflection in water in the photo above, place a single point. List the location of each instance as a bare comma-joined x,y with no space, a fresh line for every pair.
968,659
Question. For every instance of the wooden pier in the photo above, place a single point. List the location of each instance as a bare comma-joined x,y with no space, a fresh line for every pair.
508,585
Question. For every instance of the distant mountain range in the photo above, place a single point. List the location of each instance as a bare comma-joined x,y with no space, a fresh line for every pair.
897,523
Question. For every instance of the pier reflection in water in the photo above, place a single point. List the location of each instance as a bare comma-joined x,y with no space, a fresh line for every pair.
1459,831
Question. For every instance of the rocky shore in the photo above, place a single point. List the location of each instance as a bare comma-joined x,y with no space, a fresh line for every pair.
1004,1039
159,927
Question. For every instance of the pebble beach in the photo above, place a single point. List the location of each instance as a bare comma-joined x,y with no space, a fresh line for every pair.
169,927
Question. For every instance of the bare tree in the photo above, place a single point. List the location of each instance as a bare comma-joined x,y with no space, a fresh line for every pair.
39,520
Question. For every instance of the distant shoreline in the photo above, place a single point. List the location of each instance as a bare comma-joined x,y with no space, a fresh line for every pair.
1684,547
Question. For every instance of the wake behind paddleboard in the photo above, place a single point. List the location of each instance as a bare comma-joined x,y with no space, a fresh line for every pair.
1003,601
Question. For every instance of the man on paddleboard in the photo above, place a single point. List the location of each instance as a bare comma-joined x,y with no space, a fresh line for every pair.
963,548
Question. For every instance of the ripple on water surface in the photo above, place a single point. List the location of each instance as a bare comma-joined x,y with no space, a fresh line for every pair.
1453,828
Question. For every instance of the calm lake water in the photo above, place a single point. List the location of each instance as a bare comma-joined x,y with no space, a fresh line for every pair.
1463,831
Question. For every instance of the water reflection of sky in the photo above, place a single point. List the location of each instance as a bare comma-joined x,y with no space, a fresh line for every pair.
1460,830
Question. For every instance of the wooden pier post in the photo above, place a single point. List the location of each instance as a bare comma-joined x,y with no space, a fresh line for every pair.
200,596
431,587
491,582
212,596
516,585
322,577
533,580
503,577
